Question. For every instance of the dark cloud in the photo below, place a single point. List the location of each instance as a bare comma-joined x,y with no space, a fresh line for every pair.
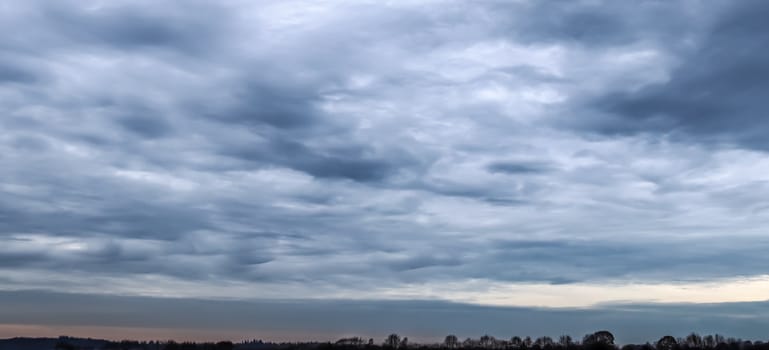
572,262
716,95
355,169
518,167
355,165
592,25
149,126
275,104
30,143
424,261
121,26
13,73
120,218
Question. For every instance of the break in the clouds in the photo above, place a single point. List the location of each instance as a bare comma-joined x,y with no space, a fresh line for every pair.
431,149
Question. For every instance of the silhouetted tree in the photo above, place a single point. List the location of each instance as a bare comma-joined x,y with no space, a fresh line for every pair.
601,340
527,342
600,337
604,337
720,339
487,341
694,340
667,343
565,340
516,342
451,341
709,341
543,342
392,341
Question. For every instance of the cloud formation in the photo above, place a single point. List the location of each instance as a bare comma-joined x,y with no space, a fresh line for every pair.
715,95
353,147
420,320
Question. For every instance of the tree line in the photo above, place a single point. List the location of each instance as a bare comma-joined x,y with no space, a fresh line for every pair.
600,340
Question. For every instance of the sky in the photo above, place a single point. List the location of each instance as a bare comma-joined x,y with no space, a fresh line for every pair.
592,164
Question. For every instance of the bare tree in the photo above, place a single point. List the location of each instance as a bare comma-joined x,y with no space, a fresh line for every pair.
354,341
488,341
694,340
451,341
392,341
543,342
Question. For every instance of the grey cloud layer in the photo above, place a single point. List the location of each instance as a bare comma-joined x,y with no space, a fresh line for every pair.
361,145
417,319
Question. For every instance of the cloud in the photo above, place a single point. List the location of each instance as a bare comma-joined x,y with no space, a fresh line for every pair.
15,73
352,163
517,167
149,127
714,95
595,25
419,320
355,149
123,26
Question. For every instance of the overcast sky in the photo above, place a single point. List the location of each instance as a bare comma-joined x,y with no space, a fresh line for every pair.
497,153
